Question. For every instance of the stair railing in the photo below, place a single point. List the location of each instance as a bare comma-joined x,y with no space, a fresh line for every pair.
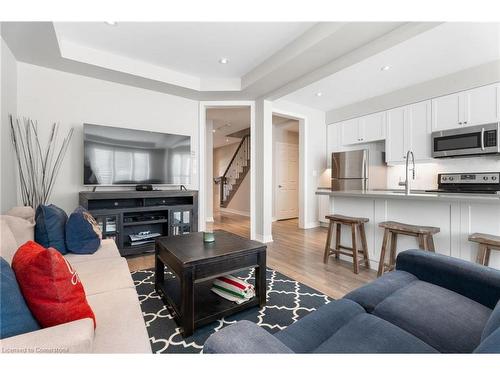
240,160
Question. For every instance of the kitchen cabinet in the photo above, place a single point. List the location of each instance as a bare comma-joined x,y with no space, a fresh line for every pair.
409,128
364,129
350,132
467,108
333,137
395,147
482,105
323,209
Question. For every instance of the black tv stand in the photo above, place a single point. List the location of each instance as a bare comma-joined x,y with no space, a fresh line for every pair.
125,212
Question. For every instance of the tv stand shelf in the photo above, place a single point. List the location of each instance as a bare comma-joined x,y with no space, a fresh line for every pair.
125,212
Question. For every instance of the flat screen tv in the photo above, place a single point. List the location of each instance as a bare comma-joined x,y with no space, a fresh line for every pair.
119,156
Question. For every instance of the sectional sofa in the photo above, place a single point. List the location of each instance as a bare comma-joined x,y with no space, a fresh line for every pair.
430,304
110,292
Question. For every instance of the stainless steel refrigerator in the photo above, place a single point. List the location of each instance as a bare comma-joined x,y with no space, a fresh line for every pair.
358,170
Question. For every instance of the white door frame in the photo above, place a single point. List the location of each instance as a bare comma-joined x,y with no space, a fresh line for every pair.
202,194
303,125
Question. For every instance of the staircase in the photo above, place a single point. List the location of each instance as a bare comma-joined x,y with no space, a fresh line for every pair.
235,172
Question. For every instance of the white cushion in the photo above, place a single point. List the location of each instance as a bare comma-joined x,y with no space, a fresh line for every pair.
104,275
120,324
14,232
107,250
24,212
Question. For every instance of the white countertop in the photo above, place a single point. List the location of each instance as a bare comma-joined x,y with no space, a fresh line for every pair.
415,195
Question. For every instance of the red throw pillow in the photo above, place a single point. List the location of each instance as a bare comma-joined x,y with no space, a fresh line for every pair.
50,286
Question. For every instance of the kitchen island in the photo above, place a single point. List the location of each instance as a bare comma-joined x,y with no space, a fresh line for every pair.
458,215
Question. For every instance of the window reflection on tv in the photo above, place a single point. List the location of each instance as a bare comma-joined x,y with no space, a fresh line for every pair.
119,156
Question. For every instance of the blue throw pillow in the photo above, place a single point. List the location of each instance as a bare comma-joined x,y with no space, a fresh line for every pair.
49,229
15,316
83,235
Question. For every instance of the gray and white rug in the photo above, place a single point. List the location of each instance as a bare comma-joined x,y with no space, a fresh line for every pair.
287,301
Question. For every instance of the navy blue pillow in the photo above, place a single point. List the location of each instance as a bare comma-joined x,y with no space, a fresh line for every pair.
15,316
49,228
83,235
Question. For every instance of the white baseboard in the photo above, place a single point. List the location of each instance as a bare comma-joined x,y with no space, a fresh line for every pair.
231,211
209,219
313,224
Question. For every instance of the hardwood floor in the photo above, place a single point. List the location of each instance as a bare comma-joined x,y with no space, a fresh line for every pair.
295,252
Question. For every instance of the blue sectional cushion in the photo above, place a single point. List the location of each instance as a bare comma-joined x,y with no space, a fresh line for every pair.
448,321
366,333
49,228
311,331
83,235
493,322
490,344
370,295
15,316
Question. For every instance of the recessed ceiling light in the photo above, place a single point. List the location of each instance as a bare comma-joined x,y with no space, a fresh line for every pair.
110,23
385,68
227,139
223,60
214,130
319,94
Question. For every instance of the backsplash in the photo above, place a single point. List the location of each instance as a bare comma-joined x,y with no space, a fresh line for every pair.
426,173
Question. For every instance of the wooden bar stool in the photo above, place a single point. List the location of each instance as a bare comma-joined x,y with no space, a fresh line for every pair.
356,223
392,229
486,242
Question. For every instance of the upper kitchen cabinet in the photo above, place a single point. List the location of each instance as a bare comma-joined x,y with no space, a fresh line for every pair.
396,142
466,108
482,105
409,128
350,132
364,129
333,136
447,112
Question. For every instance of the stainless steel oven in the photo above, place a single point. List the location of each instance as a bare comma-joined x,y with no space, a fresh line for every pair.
472,140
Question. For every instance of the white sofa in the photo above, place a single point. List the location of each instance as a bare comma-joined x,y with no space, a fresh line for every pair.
110,292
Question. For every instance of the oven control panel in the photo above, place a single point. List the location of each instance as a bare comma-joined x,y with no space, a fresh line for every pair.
469,178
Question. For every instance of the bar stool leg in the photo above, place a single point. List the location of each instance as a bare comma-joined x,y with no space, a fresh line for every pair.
430,243
328,240
337,240
354,249
364,245
481,253
487,256
421,241
381,264
394,244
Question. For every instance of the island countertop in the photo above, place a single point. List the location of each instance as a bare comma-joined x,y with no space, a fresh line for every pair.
414,195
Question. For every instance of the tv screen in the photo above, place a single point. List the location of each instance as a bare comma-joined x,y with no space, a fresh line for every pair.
119,156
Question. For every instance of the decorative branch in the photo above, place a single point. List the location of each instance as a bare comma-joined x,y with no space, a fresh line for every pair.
37,167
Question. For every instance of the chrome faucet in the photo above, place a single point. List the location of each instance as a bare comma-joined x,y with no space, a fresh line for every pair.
407,183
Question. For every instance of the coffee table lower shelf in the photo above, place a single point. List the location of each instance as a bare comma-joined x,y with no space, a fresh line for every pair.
208,306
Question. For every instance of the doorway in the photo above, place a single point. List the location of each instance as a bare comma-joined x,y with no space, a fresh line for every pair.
228,200
286,140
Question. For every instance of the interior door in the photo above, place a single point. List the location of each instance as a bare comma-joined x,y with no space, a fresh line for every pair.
287,173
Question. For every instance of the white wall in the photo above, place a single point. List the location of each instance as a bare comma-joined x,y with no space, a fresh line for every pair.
8,85
49,96
312,145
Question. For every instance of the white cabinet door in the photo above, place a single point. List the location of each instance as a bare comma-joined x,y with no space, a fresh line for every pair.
323,208
334,144
446,112
350,132
419,130
372,127
482,105
395,147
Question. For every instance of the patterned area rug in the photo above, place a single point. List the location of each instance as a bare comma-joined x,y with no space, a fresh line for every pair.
287,301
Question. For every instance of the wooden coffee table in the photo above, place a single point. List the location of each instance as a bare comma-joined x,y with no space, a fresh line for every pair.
195,265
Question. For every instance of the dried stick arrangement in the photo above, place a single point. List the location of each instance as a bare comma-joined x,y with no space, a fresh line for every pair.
38,167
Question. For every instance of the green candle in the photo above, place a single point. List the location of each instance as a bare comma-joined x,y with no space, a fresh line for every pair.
208,237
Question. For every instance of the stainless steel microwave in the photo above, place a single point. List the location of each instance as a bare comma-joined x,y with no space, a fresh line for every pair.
471,140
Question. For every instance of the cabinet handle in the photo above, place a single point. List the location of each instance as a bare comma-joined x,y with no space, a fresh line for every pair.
459,123
465,122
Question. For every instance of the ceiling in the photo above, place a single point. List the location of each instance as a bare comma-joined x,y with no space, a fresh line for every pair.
192,48
265,59
442,50
226,121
